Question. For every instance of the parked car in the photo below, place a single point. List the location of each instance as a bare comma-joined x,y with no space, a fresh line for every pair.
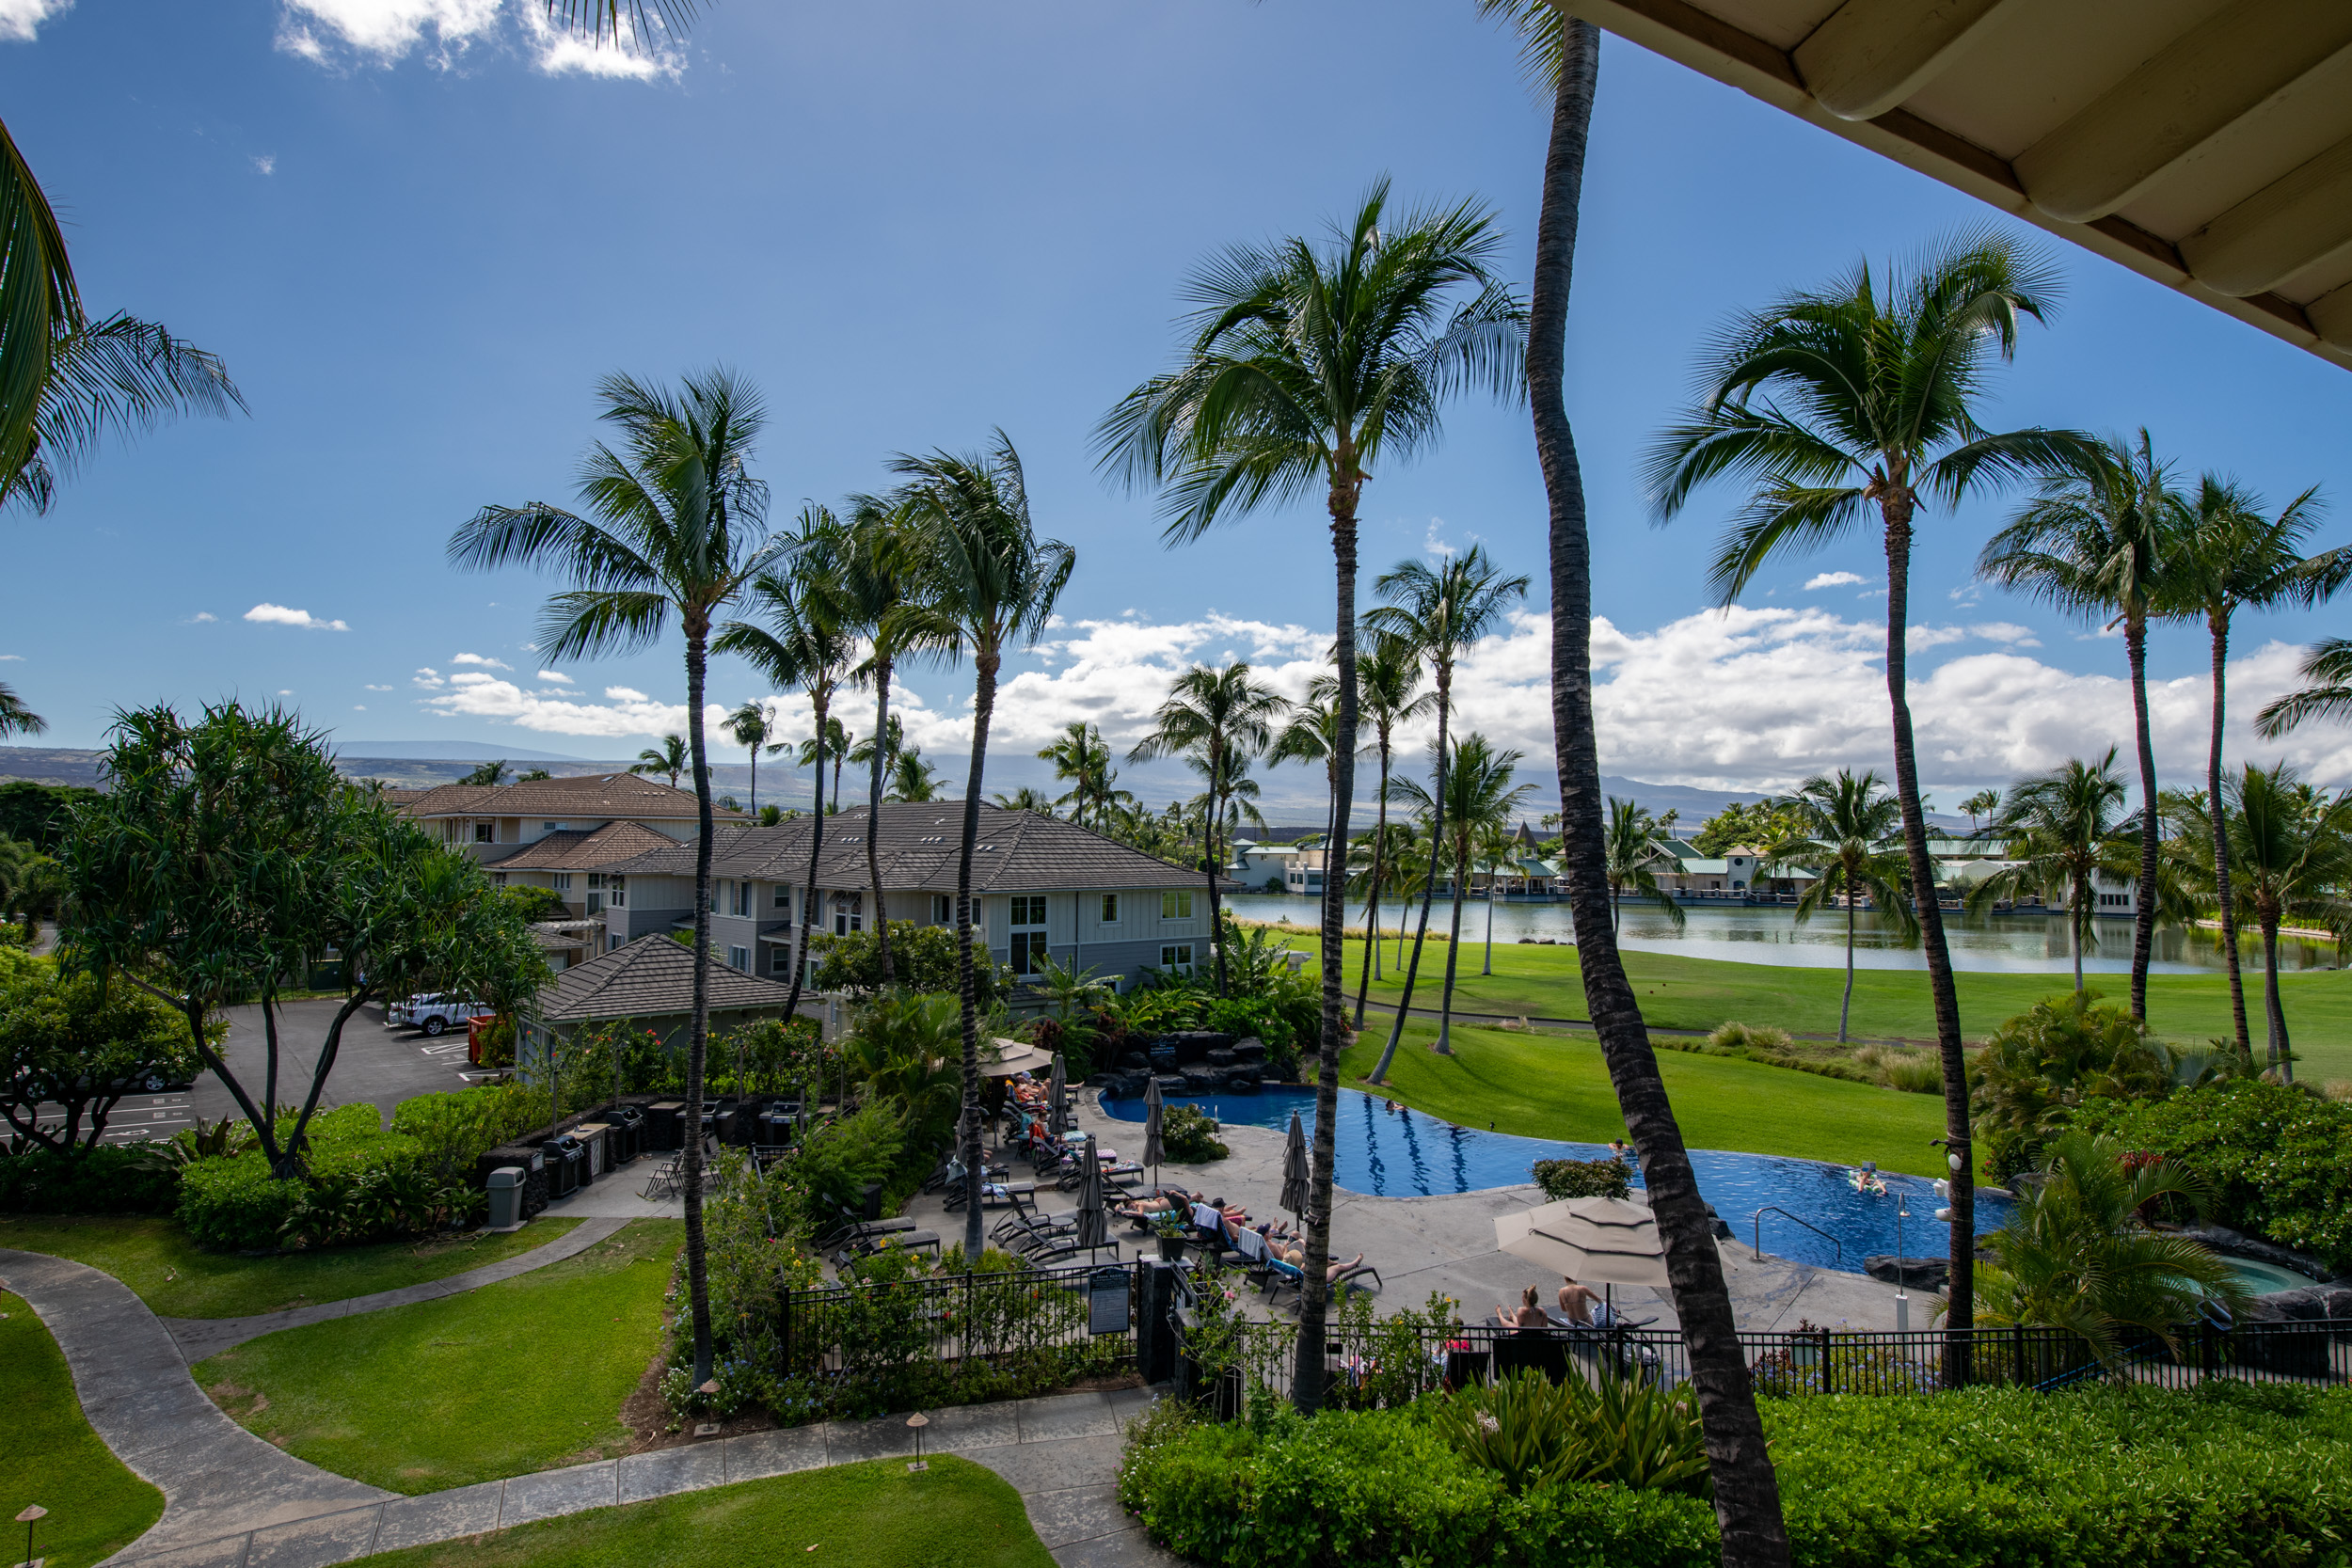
435,1015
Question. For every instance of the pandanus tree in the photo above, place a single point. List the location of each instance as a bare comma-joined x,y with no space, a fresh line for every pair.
1563,54
987,586
2234,555
1442,612
1219,718
1387,693
2095,543
1473,795
1853,845
672,523
2060,834
1849,406
1630,856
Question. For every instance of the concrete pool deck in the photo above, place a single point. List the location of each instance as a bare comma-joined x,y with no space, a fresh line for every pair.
1447,1244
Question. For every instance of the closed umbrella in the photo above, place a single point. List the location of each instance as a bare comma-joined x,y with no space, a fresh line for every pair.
1606,1239
1093,1225
1057,1091
1294,1169
1154,1104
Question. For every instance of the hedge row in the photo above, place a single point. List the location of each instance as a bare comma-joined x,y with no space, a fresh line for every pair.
112,1179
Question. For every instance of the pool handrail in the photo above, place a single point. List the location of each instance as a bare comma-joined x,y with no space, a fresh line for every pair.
1756,1244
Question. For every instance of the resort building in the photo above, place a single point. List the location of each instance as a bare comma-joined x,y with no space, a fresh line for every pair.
492,821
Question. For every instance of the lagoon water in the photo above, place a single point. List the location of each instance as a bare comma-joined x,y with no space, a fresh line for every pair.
1766,935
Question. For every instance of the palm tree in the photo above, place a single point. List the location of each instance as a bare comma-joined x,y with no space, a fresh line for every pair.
828,742
1387,693
1630,859
798,638
2327,669
988,584
1444,611
1223,716
15,718
1851,827
1082,758
488,773
1496,847
1311,736
1028,798
749,726
2232,557
2094,544
875,570
1308,368
2290,858
1983,803
1474,793
911,778
2061,831
673,524
1865,410
673,758
1228,798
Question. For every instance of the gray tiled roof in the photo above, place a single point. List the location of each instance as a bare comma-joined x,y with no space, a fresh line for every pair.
579,849
651,977
1017,851
606,795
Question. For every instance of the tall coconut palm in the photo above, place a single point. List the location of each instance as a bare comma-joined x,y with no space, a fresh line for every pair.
892,740
1308,367
2060,829
1854,839
1563,54
1496,847
1082,758
673,758
1222,718
911,778
1444,610
877,571
15,718
2232,557
1851,405
1311,736
987,586
1630,859
673,522
798,638
1983,803
2094,544
2290,858
1028,798
2326,694
749,726
1473,795
1387,693
827,741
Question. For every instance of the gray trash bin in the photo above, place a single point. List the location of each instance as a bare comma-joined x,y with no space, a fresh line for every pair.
507,1199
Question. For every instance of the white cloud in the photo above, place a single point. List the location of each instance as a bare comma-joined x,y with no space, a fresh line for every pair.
11,658
559,678
379,688
1821,579
267,164
21,20
200,617
429,679
285,691
381,32
559,54
623,712
362,707
279,615
477,658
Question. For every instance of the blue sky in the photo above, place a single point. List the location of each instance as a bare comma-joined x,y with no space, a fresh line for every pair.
416,237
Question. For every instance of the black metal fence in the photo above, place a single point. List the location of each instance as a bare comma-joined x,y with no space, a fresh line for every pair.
859,1349
1394,1361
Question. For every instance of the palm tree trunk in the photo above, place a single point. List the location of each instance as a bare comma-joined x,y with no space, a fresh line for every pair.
821,702
2219,626
2076,914
698,1027
2145,917
2274,1009
873,818
1216,863
1372,915
1444,1046
1314,1303
1429,886
1488,970
1960,1311
1845,1004
983,702
756,777
1747,1490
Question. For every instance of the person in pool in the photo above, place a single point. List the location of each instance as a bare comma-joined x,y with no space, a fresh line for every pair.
1619,1149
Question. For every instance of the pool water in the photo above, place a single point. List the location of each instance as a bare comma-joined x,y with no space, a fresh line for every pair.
1404,1153
2263,1278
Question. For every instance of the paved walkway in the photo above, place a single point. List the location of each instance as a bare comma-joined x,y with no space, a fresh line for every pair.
232,1500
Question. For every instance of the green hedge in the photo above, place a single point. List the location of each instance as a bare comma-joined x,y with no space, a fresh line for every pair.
360,1183
2097,1478
111,1178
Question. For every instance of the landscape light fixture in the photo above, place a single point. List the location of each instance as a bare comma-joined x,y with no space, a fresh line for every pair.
29,1518
915,1423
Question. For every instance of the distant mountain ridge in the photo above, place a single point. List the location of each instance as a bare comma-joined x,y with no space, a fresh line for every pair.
445,750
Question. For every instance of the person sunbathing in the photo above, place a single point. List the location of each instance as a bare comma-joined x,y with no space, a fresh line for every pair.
1578,1301
1296,1258
1529,1315
1178,1200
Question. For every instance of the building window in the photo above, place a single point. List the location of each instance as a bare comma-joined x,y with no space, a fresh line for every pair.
740,958
616,890
485,832
498,879
1110,908
848,913
780,959
563,882
784,902
1028,952
1176,906
612,941
550,826
595,879
1177,956
942,909
1029,910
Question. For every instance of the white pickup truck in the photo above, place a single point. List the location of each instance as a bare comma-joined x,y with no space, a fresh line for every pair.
435,1015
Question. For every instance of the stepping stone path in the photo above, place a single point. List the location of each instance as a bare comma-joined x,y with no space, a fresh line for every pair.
232,1500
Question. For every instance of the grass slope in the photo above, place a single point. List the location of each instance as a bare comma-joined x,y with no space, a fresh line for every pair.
1699,993
957,1515
178,1280
50,1456
522,1376
1556,1085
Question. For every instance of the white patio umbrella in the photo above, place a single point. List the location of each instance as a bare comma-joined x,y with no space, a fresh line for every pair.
1003,1058
1093,1227
1607,1239
1155,1105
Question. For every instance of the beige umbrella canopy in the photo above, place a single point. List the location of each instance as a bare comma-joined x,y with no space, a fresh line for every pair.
1003,1058
1604,1239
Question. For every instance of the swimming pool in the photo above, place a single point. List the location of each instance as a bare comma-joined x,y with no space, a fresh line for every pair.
1406,1153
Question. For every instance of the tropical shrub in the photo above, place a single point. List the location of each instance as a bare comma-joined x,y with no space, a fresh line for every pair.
2276,1157
110,1178
1531,1432
832,1169
909,1051
2038,1068
451,1131
1188,1136
1732,1035
358,1183
922,959
1565,1179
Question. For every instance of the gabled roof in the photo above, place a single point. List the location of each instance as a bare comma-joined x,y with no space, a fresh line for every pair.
651,977
605,794
916,844
579,849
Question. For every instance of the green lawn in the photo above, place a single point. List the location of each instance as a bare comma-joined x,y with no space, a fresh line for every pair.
1698,993
522,1376
956,1514
1554,1085
50,1456
178,1280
